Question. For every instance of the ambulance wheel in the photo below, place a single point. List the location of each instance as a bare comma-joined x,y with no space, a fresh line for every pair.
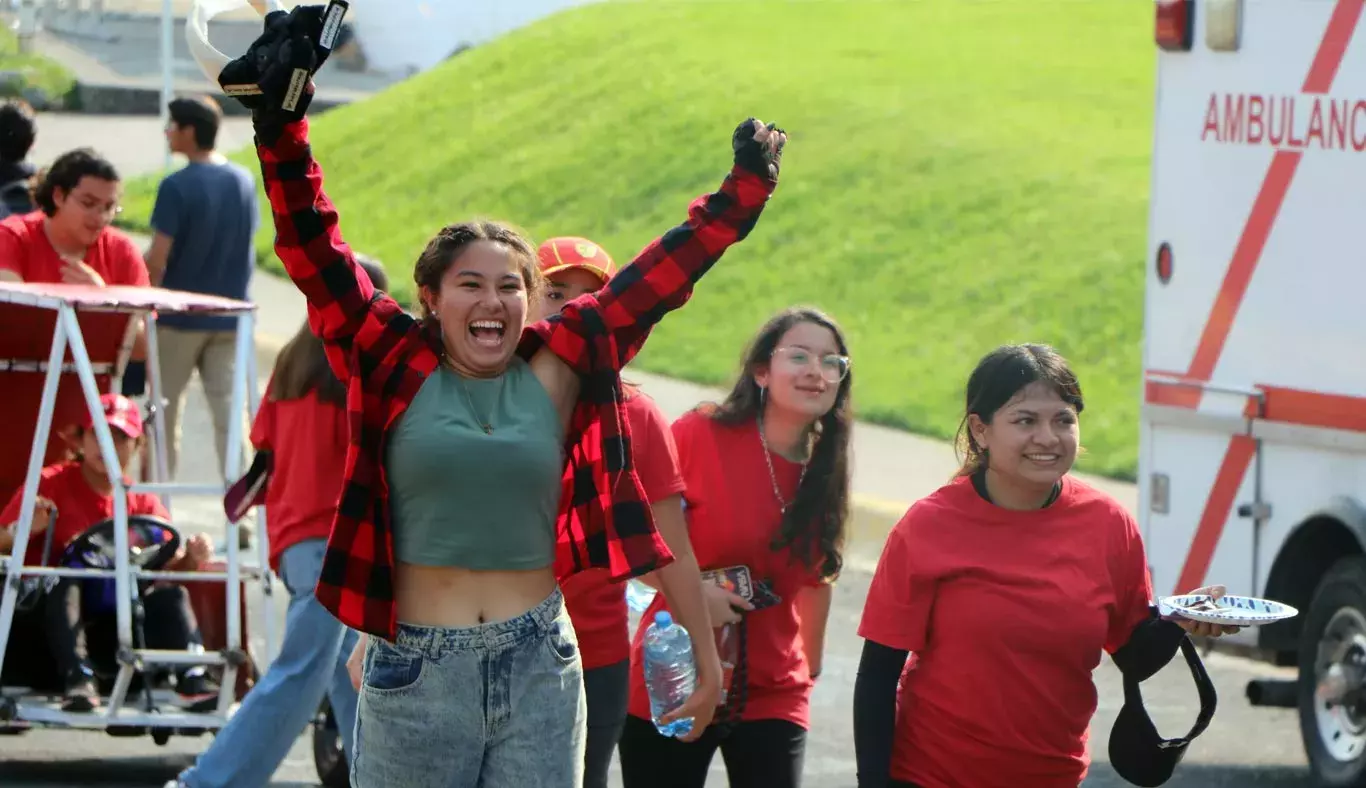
1332,680
328,757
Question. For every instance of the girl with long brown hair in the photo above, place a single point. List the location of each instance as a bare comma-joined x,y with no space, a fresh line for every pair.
767,474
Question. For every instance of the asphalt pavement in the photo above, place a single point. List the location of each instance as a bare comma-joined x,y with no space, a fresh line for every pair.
1244,746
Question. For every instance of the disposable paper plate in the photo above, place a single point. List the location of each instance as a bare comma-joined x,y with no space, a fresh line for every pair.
1237,611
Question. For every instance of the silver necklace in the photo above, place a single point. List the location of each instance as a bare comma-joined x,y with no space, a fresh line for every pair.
783,503
483,422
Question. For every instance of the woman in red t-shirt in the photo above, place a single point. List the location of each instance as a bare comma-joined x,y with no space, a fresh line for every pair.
597,607
767,476
1006,583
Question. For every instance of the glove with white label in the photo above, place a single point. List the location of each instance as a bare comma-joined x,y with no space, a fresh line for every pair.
274,79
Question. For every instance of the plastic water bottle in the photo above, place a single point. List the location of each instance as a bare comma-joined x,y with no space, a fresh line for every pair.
670,672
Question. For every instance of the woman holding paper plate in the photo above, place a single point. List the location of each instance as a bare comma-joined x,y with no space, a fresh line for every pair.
1004,586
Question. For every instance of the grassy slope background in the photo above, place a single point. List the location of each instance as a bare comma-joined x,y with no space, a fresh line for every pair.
959,175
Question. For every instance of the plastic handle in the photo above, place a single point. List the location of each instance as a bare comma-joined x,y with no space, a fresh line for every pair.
210,60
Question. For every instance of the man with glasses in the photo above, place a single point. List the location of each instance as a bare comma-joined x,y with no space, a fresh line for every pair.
71,239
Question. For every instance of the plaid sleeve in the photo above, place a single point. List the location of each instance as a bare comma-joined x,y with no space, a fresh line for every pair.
658,280
341,298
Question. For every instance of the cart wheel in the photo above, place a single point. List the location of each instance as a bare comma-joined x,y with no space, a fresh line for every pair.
161,736
1332,680
9,712
328,756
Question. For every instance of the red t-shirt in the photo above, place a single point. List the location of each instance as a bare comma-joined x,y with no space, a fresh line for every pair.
1007,613
596,607
733,516
26,250
309,441
79,506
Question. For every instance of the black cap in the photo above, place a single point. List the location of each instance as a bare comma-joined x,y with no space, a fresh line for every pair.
1137,752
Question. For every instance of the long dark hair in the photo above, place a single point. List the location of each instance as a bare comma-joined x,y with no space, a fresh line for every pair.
814,524
302,364
999,377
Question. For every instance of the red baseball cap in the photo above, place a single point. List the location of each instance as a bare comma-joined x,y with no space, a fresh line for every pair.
119,412
566,252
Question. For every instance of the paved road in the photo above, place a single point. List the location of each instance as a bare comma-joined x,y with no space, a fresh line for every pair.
1244,747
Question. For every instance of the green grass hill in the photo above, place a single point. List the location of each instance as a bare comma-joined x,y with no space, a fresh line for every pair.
959,175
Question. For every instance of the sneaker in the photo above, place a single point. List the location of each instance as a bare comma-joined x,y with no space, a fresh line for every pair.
197,690
82,694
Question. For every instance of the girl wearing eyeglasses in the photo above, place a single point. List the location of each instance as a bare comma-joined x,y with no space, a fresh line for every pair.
767,474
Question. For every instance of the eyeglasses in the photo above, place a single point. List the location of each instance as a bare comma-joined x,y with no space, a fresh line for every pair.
833,367
92,204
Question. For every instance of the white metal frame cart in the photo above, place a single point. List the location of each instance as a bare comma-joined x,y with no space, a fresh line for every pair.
64,309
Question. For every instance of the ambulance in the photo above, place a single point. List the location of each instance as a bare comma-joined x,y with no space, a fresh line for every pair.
1252,453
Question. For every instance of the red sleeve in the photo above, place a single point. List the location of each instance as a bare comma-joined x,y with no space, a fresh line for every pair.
263,428
901,596
652,443
12,254
1133,585
10,514
148,505
685,432
126,266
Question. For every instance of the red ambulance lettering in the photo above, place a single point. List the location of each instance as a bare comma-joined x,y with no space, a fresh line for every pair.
1293,122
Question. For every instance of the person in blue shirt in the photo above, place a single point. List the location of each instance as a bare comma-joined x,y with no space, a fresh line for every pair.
203,222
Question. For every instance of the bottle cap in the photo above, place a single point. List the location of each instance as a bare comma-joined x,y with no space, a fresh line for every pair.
663,619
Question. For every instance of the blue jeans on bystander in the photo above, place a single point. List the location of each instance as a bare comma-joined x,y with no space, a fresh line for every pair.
312,663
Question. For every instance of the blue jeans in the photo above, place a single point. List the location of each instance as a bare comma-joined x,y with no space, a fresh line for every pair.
491,706
312,662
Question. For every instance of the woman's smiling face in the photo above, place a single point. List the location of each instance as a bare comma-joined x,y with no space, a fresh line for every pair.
482,307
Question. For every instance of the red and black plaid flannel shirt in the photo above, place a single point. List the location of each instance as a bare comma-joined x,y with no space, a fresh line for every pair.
383,354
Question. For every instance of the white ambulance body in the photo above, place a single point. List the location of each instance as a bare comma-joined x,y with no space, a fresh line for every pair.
1252,466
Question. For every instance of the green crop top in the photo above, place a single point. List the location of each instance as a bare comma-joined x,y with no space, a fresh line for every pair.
463,497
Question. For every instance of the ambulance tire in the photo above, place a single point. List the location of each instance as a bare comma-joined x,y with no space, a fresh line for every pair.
1342,591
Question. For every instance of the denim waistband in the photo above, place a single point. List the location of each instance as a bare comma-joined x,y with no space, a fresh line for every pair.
436,641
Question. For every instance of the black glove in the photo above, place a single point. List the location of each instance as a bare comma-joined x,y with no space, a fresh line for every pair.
761,158
274,79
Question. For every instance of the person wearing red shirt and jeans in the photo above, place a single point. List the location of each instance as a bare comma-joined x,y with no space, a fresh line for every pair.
768,477
1005,584
72,497
300,439
597,607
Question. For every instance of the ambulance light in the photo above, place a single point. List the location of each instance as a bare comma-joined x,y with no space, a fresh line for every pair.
1223,23
1164,262
1175,23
